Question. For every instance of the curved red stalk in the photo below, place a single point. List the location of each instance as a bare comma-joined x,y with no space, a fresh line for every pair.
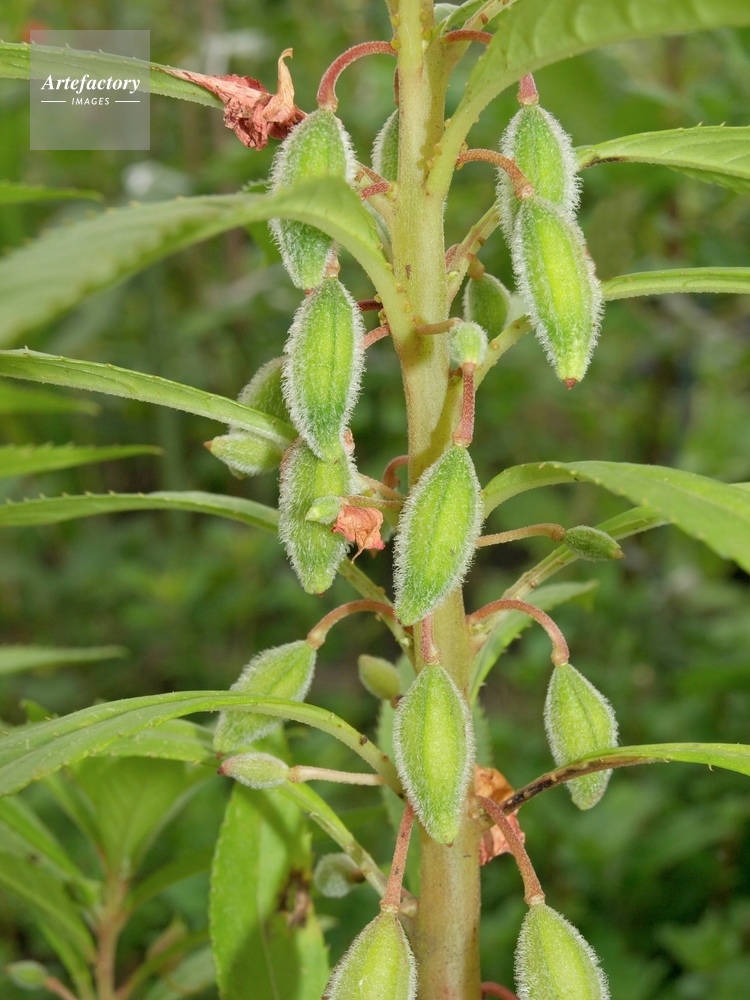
327,89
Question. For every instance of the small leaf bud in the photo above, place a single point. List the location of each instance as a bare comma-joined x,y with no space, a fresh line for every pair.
433,744
579,721
379,965
487,302
553,960
245,453
379,677
385,149
27,975
438,529
282,672
263,391
336,875
325,510
256,770
468,344
593,544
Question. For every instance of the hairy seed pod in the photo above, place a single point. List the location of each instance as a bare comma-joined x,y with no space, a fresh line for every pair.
593,544
468,344
263,392
558,285
379,677
27,975
487,302
438,528
379,965
433,744
314,551
282,672
324,364
318,147
245,453
336,875
325,509
579,721
385,149
554,961
256,770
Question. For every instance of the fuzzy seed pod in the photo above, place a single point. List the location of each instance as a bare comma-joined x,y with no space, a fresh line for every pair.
558,285
593,544
468,344
439,524
554,962
336,875
256,770
27,975
263,391
385,149
325,510
579,721
379,677
379,965
282,672
433,742
318,147
245,453
487,302
323,369
314,551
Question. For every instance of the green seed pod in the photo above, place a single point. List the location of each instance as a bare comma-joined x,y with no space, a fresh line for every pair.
282,672
318,147
263,392
336,875
385,149
314,551
593,544
433,743
245,453
468,344
554,962
558,285
324,364
325,510
256,770
487,302
438,527
379,965
27,975
579,721
379,677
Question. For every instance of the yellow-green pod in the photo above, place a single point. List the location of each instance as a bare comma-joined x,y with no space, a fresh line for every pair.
323,369
593,544
379,965
487,302
263,392
437,532
468,344
27,975
282,672
246,453
256,770
379,677
579,721
554,961
336,875
433,743
385,149
558,285
318,147
313,550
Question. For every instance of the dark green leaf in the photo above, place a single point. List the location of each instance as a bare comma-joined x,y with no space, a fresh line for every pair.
193,975
185,866
27,460
18,817
15,659
14,399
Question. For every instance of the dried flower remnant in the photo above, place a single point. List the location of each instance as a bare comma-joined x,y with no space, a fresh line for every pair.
360,525
491,784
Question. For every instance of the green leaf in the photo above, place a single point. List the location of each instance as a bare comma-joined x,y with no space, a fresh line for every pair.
44,279
123,382
187,865
679,281
37,840
732,756
16,659
26,460
262,953
714,154
16,400
193,975
13,193
175,740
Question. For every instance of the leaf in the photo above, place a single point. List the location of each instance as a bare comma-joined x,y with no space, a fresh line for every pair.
26,460
15,659
16,400
123,382
714,154
732,756
185,866
267,941
193,975
12,193
52,274
37,840
175,740
685,280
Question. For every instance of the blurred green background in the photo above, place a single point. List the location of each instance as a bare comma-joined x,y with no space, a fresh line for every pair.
658,876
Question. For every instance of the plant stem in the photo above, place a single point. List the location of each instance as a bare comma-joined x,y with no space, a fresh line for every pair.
533,892
108,932
317,635
496,990
301,772
554,531
391,901
560,651
54,985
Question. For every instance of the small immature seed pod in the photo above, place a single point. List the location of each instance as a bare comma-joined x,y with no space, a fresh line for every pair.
256,770
385,149
468,344
325,510
379,965
317,147
314,551
579,721
433,744
323,368
593,544
336,875
438,528
553,960
487,302
27,975
282,672
558,285
379,677
263,391
245,453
